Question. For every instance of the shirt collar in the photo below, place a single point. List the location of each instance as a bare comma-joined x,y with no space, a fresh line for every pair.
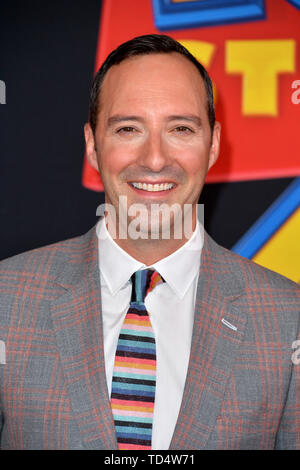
178,269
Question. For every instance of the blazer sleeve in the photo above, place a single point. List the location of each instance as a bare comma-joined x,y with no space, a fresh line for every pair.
1,424
288,435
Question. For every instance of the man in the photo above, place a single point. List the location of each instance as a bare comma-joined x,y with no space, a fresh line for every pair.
223,332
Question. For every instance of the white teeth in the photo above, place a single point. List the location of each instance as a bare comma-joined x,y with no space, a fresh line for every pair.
153,187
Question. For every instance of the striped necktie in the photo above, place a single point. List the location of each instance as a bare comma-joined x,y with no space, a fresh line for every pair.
134,375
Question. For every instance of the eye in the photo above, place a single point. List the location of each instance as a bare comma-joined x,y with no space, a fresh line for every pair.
183,130
126,130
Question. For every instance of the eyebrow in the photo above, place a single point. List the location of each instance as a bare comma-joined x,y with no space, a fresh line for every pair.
186,117
119,118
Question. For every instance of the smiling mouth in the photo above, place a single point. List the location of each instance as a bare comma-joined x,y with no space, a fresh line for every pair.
152,187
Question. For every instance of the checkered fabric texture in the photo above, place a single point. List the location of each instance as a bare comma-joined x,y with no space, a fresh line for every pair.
242,388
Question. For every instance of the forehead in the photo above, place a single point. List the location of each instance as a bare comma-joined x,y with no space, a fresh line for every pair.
153,81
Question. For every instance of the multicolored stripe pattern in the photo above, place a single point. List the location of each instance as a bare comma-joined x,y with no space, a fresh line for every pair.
134,375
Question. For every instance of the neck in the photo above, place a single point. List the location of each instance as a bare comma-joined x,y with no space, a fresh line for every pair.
150,250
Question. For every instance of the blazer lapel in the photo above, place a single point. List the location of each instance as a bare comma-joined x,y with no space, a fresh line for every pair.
218,330
77,321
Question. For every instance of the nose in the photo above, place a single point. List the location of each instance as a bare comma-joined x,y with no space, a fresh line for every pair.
154,154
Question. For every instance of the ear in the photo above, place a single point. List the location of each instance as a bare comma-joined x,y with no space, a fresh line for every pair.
90,146
215,145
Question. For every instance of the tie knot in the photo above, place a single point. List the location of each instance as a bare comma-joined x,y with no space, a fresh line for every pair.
143,282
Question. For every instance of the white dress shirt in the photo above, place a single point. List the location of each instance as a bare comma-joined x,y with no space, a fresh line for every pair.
171,309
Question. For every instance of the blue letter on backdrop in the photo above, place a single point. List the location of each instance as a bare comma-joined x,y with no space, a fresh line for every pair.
178,14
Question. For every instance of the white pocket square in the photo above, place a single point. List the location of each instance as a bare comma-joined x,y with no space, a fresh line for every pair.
2,353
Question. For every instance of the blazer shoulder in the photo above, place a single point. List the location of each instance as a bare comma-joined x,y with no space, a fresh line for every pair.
28,281
251,274
45,262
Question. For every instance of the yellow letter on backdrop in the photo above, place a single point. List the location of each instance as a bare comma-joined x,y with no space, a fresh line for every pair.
259,62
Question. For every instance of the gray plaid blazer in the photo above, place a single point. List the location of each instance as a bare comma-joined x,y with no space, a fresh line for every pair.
242,389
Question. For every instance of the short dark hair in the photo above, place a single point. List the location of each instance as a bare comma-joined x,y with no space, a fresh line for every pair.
143,45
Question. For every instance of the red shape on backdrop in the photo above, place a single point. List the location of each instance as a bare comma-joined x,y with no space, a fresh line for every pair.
253,147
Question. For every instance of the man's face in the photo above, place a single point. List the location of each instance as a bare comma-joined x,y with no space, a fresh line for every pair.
152,129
